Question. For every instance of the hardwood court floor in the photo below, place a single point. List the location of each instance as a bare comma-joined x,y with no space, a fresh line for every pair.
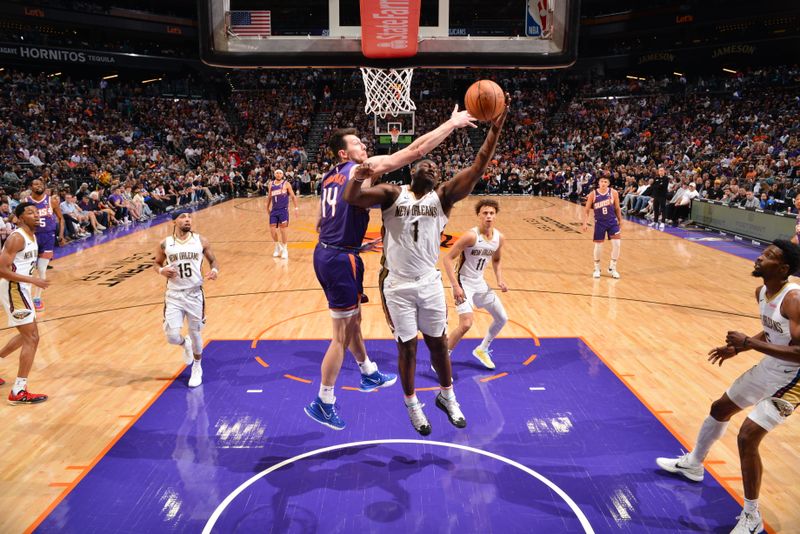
103,358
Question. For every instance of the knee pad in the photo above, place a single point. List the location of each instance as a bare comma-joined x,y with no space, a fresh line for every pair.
174,336
197,341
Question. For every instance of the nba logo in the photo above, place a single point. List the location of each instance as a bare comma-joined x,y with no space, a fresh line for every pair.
536,18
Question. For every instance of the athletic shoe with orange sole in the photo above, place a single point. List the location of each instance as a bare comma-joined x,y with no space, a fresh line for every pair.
23,397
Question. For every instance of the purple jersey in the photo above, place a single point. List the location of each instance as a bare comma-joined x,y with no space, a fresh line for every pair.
341,224
604,212
279,196
47,219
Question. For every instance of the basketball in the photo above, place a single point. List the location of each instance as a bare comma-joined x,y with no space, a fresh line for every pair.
485,100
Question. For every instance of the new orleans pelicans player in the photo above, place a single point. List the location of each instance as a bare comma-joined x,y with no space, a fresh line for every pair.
411,286
179,259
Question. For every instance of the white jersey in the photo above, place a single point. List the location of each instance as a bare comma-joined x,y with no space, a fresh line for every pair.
25,259
412,233
187,258
775,325
474,259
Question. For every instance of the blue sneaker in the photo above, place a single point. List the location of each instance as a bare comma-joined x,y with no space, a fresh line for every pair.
324,414
377,380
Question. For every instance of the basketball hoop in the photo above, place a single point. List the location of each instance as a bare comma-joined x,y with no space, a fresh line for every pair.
388,91
395,133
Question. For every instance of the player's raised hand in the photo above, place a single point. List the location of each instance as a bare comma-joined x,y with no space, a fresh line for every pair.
462,118
363,172
500,119
720,354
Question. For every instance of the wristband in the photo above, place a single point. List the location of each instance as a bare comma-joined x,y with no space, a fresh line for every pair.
215,270
160,269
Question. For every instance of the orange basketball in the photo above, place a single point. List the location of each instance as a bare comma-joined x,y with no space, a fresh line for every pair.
485,100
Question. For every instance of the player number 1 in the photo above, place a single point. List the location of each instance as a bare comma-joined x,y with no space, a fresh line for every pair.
415,224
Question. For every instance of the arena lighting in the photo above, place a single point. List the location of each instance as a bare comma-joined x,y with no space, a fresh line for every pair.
152,80
110,76
54,74
729,70
631,77
678,73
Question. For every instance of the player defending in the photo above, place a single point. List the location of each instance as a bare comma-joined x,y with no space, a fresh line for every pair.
411,286
17,262
772,386
50,218
179,259
607,221
278,194
472,252
338,265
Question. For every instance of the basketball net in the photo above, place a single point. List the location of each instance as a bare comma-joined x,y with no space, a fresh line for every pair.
388,91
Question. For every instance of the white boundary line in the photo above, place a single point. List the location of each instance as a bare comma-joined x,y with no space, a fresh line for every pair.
235,493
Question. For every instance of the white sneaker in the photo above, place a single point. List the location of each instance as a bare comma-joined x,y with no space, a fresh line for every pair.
596,273
277,251
188,355
197,375
652,223
613,272
100,227
452,409
748,524
418,419
660,226
681,465
285,252
484,356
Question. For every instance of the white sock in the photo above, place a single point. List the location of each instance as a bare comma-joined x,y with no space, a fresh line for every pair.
367,367
710,431
612,265
448,393
485,343
410,401
751,506
197,364
19,385
616,245
326,394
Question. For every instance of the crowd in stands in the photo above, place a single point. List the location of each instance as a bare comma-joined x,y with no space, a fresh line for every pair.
119,153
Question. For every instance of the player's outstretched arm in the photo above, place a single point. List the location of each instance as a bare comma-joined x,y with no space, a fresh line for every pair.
464,182
356,194
467,240
211,258
13,245
422,145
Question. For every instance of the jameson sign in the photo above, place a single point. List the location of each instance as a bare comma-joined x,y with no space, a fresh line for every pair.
60,55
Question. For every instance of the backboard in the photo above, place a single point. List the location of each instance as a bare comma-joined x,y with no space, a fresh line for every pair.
328,33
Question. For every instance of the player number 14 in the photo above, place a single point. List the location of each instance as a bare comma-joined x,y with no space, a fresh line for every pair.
329,197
